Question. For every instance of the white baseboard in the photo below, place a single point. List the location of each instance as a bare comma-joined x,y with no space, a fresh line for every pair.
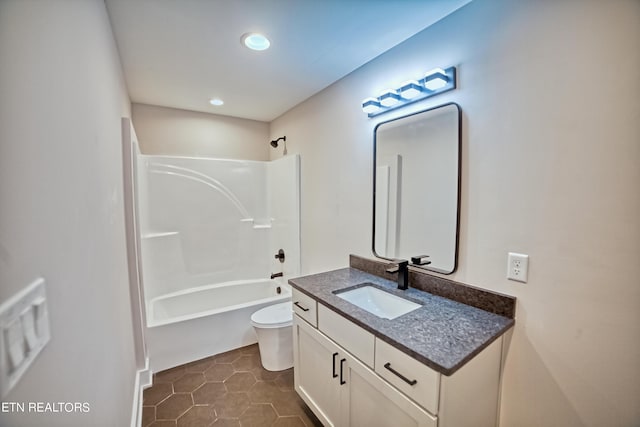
143,380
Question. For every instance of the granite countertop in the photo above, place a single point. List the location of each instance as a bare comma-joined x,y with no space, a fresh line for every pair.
443,334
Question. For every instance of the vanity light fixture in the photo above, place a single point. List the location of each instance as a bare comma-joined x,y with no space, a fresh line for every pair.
433,83
389,98
436,79
411,89
371,105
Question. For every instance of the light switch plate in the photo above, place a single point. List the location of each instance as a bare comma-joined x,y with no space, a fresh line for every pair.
29,329
24,322
14,342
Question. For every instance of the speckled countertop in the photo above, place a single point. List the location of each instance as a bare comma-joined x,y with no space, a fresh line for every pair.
442,334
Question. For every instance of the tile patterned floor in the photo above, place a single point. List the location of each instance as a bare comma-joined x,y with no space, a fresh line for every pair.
229,389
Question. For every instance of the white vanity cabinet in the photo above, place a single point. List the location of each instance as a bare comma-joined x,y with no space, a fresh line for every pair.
342,391
317,371
349,378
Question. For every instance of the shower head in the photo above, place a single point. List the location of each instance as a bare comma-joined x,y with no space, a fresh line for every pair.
274,143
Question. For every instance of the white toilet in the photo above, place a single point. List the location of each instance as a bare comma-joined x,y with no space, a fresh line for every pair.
275,339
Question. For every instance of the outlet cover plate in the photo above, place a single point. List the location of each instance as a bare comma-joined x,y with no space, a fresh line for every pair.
518,267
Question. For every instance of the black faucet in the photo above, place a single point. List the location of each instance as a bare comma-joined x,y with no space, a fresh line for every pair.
274,275
401,267
420,260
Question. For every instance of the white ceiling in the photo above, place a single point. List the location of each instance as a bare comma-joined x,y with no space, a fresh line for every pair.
181,53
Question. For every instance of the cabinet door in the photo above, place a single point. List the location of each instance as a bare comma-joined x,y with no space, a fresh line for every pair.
369,401
314,371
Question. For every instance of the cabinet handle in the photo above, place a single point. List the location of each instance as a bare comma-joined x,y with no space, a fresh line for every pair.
333,371
300,306
399,375
342,381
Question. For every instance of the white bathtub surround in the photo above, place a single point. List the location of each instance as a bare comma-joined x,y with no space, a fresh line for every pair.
209,230
214,299
195,323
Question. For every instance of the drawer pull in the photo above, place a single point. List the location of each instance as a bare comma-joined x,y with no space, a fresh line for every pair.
341,367
300,306
399,375
334,366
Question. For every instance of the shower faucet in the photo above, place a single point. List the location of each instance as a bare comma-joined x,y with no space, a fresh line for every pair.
280,255
274,143
274,275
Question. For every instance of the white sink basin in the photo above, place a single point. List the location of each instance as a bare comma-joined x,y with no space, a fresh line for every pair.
378,302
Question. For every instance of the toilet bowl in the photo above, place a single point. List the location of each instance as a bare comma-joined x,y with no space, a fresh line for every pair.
275,337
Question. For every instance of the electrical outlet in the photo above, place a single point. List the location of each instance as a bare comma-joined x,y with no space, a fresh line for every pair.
518,267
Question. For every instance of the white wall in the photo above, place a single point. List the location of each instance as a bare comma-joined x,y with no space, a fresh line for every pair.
549,93
188,133
62,96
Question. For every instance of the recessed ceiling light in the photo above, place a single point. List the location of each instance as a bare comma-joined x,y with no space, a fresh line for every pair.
216,101
255,41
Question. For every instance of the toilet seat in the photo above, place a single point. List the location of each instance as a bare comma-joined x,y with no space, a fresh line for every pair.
273,316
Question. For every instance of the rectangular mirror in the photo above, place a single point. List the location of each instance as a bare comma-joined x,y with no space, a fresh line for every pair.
416,188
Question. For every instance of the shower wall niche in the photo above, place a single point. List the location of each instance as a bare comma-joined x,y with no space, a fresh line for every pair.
207,221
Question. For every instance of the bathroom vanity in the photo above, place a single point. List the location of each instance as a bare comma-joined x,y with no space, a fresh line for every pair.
437,365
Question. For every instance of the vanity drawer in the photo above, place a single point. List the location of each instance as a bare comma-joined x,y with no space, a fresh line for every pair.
424,391
352,337
305,307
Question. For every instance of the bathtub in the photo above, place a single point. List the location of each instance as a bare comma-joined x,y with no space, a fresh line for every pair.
199,322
